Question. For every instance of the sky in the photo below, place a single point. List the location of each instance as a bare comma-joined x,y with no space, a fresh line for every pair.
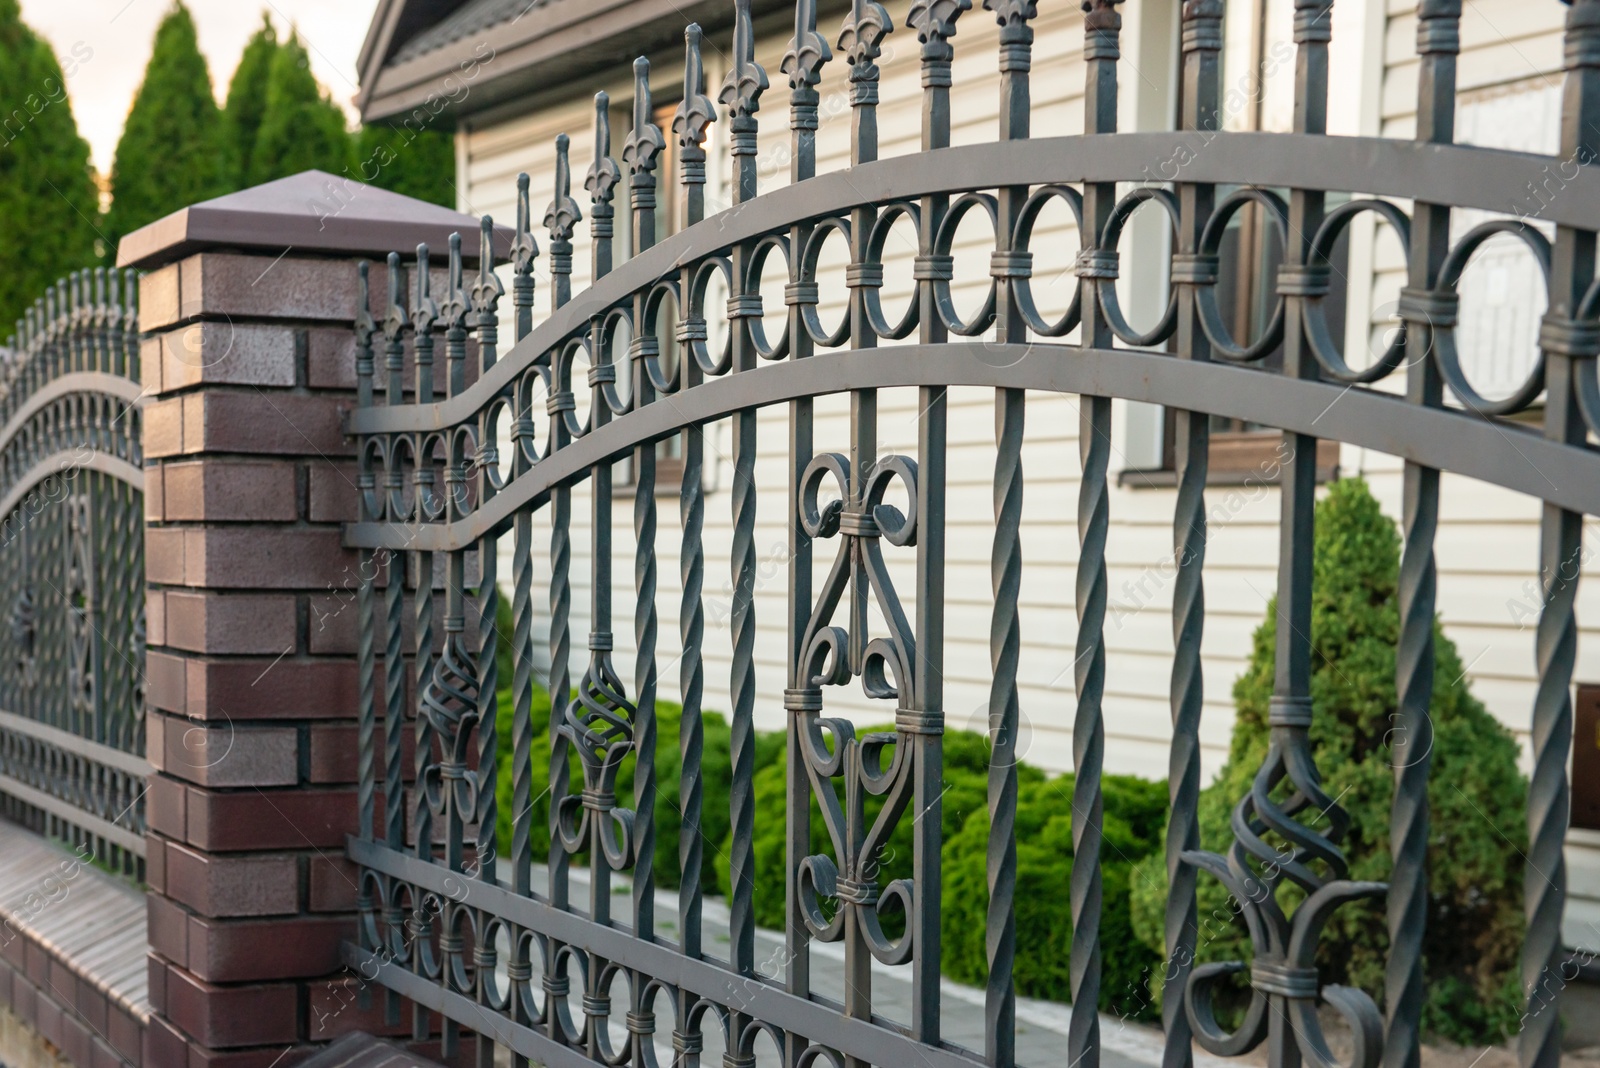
115,35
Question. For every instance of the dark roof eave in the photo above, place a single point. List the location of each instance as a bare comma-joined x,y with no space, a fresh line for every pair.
568,39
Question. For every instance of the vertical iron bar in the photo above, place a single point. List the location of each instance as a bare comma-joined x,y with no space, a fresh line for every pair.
1005,633
395,323
601,639
1438,42
522,252
1102,27
1202,47
797,804
689,124
560,580
1572,270
366,661
1291,709
642,152
484,319
741,95
935,24
424,312
860,42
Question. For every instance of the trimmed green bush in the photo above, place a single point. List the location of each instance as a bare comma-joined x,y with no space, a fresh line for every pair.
1477,794
247,98
173,151
47,191
1134,812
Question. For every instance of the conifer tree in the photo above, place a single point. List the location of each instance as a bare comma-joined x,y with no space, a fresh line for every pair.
48,201
247,98
416,163
172,152
302,128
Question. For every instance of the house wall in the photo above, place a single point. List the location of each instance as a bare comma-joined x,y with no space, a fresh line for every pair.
1487,546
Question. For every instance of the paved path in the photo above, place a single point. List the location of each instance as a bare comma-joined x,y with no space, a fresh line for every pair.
1041,1025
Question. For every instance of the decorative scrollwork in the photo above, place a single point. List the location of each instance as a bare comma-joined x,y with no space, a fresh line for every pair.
450,703
832,656
24,635
599,725
1284,982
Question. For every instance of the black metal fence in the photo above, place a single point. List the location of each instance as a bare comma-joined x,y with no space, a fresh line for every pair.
72,571
460,930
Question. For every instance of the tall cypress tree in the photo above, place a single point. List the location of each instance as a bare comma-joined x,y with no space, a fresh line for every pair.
48,201
172,152
247,97
417,163
302,128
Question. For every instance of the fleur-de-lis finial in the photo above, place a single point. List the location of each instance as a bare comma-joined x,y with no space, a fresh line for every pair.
453,312
604,174
747,79
524,249
365,325
425,312
487,290
696,112
861,38
935,20
645,143
1102,25
563,215
395,320
808,49
1012,12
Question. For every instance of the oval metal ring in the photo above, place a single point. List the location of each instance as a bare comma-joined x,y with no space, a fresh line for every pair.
1022,238
402,449
565,362
464,455
618,402
487,457
1588,370
1106,288
753,268
873,297
524,435
646,345
1205,296
374,458
695,312
941,246
808,277
1318,336
1444,335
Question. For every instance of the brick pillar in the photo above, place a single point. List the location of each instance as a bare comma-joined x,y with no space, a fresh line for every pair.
249,368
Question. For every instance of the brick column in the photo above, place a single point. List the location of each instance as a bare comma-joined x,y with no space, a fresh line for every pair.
249,368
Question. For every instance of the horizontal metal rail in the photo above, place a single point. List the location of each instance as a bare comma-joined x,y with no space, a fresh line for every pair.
877,1041
1457,441
1464,176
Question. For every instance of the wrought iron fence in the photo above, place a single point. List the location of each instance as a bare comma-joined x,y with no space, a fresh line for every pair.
461,932
72,574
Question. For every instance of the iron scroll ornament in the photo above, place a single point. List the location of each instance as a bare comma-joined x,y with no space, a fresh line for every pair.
1284,984
833,655
599,724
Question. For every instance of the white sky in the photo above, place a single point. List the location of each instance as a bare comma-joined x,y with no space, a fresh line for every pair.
119,34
